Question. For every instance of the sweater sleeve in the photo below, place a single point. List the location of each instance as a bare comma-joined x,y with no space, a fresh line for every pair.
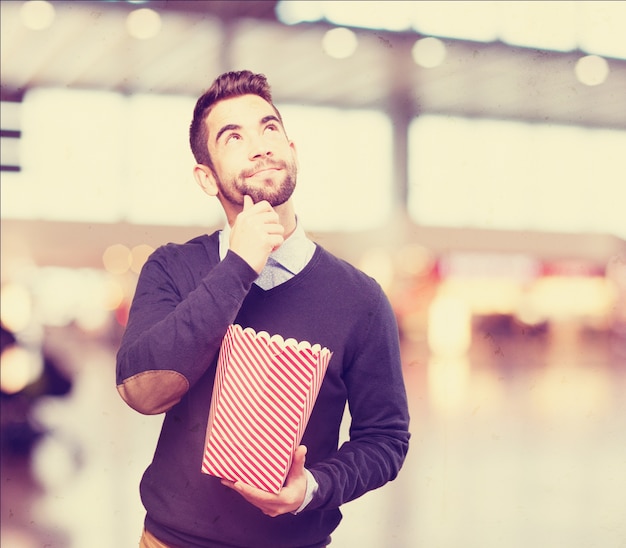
379,436
174,329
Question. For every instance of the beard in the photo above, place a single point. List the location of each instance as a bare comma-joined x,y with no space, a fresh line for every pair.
233,189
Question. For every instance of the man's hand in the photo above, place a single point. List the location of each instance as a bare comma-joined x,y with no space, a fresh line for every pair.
256,233
289,498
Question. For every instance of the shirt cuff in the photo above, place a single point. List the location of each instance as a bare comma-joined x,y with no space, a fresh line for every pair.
311,489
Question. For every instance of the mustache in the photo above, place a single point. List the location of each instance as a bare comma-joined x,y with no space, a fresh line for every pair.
264,164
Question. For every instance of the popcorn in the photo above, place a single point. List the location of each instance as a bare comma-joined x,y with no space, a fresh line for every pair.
264,392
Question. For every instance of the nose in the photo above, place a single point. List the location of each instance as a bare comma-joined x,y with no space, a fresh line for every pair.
259,148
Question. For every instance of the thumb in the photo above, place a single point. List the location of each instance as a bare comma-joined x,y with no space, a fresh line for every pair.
299,458
247,202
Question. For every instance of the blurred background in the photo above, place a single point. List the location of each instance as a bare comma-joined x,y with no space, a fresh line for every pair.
468,155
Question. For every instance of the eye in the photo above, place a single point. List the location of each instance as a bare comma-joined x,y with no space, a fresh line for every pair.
271,128
233,137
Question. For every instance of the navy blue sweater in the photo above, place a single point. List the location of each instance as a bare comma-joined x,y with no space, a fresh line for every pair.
184,302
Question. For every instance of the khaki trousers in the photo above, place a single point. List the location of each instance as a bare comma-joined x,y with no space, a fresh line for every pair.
148,540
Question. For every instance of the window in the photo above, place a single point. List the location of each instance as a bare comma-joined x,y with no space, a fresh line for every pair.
91,156
510,175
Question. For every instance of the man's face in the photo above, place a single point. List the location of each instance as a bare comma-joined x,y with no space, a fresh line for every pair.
250,152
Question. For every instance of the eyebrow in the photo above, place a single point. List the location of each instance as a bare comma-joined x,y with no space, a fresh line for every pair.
226,128
235,127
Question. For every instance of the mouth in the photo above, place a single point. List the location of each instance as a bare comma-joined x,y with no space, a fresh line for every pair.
262,170
263,173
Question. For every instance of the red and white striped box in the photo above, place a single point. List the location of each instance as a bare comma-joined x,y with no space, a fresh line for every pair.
264,392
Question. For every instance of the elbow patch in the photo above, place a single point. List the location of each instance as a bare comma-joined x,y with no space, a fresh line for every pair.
153,392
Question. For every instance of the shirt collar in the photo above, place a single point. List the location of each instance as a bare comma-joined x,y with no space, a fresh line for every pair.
293,254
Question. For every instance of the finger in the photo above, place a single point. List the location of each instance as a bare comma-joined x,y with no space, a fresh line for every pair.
268,216
275,242
299,458
253,494
274,228
247,202
300,454
265,206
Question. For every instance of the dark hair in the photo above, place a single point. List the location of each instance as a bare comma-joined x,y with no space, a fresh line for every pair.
229,84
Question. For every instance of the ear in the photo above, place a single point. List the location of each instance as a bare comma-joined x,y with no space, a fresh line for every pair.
294,152
206,179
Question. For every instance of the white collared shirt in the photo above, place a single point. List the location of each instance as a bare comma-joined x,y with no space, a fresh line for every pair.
287,261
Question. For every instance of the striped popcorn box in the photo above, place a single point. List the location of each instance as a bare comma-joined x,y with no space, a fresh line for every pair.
264,392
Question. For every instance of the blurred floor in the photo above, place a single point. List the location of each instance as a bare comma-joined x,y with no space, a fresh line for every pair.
522,443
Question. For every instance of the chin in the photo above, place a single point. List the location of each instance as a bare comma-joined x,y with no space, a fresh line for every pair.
276,198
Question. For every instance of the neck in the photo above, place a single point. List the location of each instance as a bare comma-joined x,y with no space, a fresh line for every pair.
287,216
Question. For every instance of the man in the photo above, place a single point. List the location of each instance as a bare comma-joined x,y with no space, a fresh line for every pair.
188,295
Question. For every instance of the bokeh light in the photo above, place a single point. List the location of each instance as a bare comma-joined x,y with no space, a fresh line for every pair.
449,326
117,259
139,255
19,367
429,52
592,70
339,43
143,23
15,307
37,14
